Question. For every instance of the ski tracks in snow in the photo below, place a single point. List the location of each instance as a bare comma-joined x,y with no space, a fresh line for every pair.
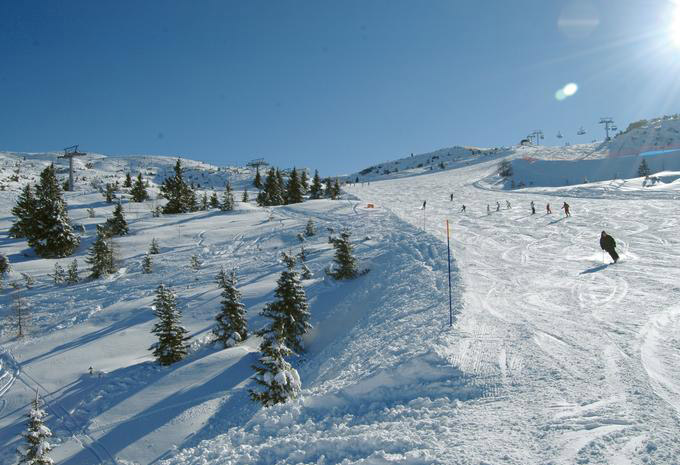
584,350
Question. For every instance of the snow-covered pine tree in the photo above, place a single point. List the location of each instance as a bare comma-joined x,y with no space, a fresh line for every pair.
72,273
214,201
146,263
153,248
139,193
257,182
271,191
195,263
28,280
37,449
281,186
315,191
344,258
172,336
100,257
643,169
52,234
204,201
4,264
335,190
232,326
116,225
290,310
245,197
59,274
304,181
310,230
180,196
24,211
293,189
227,204
128,180
303,254
109,192
328,187
20,316
278,380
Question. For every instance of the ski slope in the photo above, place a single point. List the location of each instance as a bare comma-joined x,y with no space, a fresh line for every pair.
588,353
555,357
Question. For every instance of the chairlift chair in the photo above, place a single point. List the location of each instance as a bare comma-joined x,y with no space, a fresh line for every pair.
581,131
559,135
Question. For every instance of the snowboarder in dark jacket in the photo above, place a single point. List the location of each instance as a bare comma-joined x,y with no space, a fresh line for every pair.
608,243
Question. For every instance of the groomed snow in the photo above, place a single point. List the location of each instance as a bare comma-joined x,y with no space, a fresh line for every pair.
554,357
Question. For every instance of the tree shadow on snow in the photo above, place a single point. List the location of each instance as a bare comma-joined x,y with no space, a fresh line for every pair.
163,412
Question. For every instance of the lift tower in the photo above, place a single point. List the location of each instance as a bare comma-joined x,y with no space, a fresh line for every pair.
70,153
608,124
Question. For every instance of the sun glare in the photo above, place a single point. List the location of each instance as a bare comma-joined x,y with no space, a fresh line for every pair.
675,26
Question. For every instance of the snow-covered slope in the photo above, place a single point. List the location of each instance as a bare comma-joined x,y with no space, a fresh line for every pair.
553,357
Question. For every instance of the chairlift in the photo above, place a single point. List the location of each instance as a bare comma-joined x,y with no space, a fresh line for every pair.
581,131
614,128
559,135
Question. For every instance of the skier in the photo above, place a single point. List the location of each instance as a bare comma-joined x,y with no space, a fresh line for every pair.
547,209
498,206
451,197
565,207
424,203
507,204
488,210
463,209
608,243
533,208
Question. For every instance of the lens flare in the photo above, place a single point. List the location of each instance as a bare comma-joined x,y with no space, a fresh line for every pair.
566,91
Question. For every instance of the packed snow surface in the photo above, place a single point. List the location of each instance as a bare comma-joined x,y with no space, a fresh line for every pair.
555,356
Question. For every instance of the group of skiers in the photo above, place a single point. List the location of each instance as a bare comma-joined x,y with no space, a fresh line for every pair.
607,242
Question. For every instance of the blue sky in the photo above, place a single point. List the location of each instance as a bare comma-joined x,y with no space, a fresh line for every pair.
334,85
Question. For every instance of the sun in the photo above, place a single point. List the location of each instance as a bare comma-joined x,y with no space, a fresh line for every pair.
674,30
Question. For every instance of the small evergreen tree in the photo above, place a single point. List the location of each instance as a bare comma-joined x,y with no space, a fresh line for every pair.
116,225
303,254
4,264
344,258
195,263
24,211
290,311
643,169
180,196
72,273
204,201
335,190
59,274
227,204
328,187
100,257
294,189
172,336
304,181
139,193
310,230
153,248
245,197
278,380
146,264
128,180
20,316
257,182
51,234
109,192
232,326
214,201
37,449
315,190
271,191
281,186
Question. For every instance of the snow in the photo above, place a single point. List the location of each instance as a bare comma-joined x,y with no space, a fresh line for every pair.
554,356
